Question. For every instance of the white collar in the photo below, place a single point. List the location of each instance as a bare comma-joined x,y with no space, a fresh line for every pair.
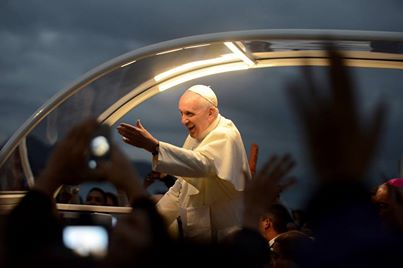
212,126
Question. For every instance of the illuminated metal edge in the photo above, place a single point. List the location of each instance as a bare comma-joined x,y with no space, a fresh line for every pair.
249,35
91,208
8,202
322,54
26,167
10,197
362,59
324,62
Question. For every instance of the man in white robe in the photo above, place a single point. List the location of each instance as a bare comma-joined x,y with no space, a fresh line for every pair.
212,167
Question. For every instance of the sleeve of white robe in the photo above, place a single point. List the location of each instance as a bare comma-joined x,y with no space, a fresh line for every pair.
169,203
221,153
183,162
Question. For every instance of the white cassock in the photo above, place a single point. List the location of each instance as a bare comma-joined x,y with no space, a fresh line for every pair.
211,178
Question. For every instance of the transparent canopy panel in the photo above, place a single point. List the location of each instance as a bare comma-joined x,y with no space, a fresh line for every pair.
117,88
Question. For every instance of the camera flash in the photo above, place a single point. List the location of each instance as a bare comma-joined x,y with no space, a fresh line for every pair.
99,146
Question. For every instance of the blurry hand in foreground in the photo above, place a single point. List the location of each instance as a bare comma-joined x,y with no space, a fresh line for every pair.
340,143
264,189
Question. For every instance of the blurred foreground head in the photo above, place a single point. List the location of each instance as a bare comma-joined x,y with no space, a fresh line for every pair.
389,200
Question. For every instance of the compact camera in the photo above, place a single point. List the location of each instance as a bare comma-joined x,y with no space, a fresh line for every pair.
87,234
100,146
86,240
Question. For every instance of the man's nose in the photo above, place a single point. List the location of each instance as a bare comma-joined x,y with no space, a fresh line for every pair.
184,120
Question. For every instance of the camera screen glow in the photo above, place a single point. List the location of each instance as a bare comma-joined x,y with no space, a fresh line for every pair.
99,146
86,240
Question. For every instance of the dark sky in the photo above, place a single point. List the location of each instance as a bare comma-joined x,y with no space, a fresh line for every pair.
46,45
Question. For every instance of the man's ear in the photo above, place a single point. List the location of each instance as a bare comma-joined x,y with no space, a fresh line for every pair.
211,114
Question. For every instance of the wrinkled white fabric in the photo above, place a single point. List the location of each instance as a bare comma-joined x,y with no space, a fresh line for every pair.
211,178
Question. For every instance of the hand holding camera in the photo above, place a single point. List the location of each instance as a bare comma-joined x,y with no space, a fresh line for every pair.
88,154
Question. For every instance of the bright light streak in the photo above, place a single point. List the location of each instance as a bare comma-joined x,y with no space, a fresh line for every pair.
194,64
196,46
201,73
124,65
169,51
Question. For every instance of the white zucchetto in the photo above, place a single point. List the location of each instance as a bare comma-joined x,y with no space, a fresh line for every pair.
206,92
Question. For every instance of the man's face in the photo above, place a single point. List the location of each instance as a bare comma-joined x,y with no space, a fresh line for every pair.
382,200
263,225
196,115
95,198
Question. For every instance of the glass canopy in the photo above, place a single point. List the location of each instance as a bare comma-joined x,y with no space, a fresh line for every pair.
117,87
